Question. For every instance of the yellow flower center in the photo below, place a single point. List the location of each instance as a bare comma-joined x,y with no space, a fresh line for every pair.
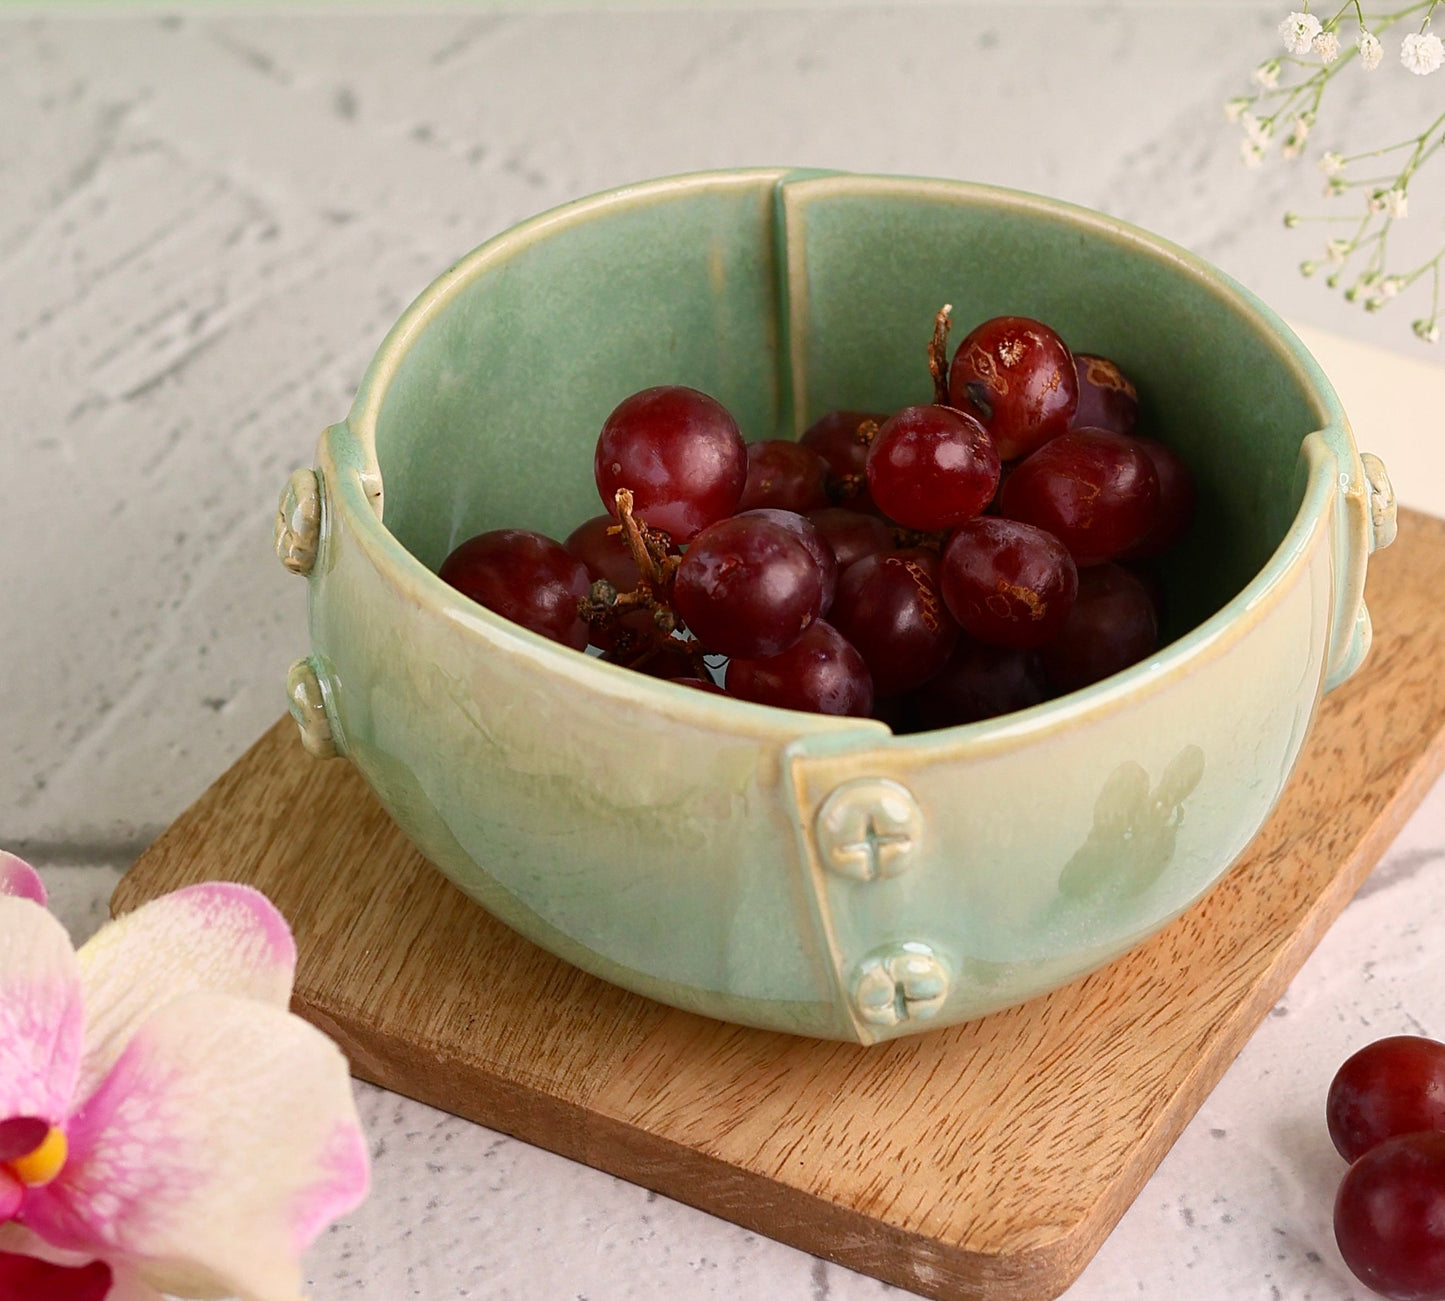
40,1165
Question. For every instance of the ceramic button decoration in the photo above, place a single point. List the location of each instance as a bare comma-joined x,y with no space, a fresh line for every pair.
802,872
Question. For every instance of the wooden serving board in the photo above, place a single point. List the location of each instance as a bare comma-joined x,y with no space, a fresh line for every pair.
989,1159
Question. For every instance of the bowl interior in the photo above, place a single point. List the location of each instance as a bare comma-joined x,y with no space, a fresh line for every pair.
785,295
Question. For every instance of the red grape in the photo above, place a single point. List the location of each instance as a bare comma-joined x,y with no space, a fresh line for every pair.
820,672
851,534
786,476
748,586
835,438
1111,625
1176,500
1107,398
889,606
1017,376
1392,1086
680,454
1390,1217
932,467
980,681
803,529
524,577
1008,583
606,555
1095,491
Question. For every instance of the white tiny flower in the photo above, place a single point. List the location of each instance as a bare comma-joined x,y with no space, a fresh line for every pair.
1327,46
1298,32
1376,202
1234,108
1337,250
1397,204
1291,220
1371,51
1267,74
1335,187
1301,128
1422,53
1390,286
1250,153
1332,164
1257,130
1427,330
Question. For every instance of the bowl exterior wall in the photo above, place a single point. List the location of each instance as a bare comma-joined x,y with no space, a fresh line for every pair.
685,851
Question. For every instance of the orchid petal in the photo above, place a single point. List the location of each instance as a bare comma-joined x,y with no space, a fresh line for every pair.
125,1285
19,879
26,1278
217,937
41,1014
222,1142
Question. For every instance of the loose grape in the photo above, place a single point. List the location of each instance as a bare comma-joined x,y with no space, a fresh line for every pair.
803,529
680,454
1008,583
890,607
748,586
1107,397
820,672
1095,491
786,476
1111,625
835,438
932,467
1017,376
1176,500
1390,1217
851,534
524,577
1392,1086
979,681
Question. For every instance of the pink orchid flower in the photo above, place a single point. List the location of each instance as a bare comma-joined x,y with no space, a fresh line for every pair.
166,1125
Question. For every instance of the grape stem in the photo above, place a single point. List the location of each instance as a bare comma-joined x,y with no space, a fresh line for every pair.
938,354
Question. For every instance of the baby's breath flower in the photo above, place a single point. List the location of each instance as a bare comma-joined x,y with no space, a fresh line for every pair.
1251,154
1298,32
1396,203
1257,130
1377,201
1332,164
1335,187
1337,250
1308,269
1327,46
1292,148
1374,304
1234,108
1422,53
1353,292
1291,220
1427,330
1391,285
1371,51
1267,74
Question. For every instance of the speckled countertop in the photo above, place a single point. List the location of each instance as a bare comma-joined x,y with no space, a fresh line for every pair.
207,223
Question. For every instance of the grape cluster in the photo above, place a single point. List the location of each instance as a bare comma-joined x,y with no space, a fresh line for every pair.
1386,1115
936,565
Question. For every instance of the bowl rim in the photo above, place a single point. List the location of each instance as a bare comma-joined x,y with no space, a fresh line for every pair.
351,445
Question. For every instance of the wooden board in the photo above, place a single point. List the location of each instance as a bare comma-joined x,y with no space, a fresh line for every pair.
985,1160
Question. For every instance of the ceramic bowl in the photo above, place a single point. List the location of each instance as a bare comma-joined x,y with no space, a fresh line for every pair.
805,873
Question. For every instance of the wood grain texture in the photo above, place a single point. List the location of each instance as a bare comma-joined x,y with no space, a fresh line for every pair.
989,1159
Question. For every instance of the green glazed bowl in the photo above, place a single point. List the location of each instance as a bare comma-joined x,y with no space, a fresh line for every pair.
793,871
